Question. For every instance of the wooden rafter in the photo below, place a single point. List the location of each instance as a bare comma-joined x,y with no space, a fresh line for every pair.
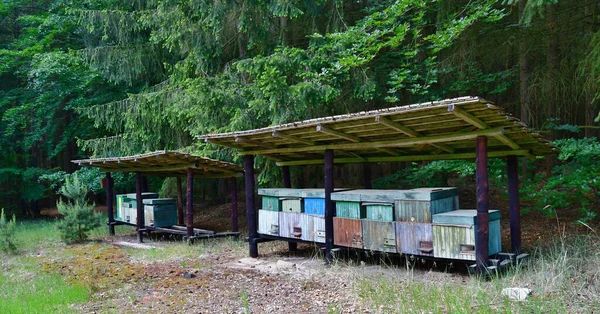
326,130
407,142
408,131
291,138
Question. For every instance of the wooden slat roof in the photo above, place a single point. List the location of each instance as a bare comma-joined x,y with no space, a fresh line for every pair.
165,164
435,130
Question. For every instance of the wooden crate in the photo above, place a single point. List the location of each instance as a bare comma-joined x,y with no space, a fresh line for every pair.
346,209
291,205
314,206
268,222
319,228
454,234
419,205
379,211
296,226
347,232
414,238
379,236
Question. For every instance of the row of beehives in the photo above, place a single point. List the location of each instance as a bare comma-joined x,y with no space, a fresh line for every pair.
158,212
418,222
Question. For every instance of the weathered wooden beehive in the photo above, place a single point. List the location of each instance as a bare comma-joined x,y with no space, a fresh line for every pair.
419,205
283,199
454,234
319,228
160,212
414,238
296,226
379,211
379,236
268,222
347,232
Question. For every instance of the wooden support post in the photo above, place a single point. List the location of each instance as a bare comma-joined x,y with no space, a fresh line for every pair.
329,206
287,183
234,208
109,204
367,175
180,216
189,208
482,233
514,211
140,207
250,210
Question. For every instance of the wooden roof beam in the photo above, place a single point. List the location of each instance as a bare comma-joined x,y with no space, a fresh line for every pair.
291,138
408,131
326,130
407,142
493,154
212,141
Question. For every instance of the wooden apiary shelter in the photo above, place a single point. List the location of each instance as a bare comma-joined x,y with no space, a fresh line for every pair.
458,128
145,211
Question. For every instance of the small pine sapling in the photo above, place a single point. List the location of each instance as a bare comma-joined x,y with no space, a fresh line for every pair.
7,231
79,217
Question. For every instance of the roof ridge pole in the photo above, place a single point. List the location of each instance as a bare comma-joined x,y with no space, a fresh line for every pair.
329,206
514,213
482,228
234,208
139,207
109,204
189,208
287,183
250,209
180,216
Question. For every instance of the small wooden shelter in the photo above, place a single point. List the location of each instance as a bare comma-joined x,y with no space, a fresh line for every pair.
167,164
459,128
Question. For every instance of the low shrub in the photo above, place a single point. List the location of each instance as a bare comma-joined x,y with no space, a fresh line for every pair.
79,216
7,231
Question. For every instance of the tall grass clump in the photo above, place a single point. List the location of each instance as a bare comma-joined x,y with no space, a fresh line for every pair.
79,216
7,232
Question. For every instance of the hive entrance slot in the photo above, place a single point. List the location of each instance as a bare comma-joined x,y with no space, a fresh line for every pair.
468,249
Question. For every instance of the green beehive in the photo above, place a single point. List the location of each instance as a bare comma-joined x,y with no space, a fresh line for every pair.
160,215
119,215
379,211
272,198
454,234
353,210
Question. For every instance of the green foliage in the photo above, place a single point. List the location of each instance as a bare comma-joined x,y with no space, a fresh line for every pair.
7,231
79,217
575,181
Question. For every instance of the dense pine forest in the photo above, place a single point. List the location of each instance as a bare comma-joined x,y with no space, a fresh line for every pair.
114,78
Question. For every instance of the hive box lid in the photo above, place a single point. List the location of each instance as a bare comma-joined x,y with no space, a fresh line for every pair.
462,217
429,194
144,195
381,196
319,193
280,192
161,201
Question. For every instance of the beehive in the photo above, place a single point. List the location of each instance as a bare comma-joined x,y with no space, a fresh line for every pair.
354,210
419,205
454,234
314,200
129,206
414,238
296,226
379,211
291,205
319,228
161,212
347,232
379,236
268,222
272,198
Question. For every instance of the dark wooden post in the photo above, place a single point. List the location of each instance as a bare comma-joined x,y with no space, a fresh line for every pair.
514,211
329,208
367,175
109,204
482,234
180,220
189,208
140,207
234,209
287,183
250,210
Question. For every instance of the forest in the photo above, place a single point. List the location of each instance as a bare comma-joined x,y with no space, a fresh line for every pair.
114,78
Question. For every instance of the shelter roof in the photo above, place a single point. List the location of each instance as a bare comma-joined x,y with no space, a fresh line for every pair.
165,164
435,130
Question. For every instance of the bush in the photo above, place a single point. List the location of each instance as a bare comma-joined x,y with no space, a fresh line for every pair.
79,216
7,231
